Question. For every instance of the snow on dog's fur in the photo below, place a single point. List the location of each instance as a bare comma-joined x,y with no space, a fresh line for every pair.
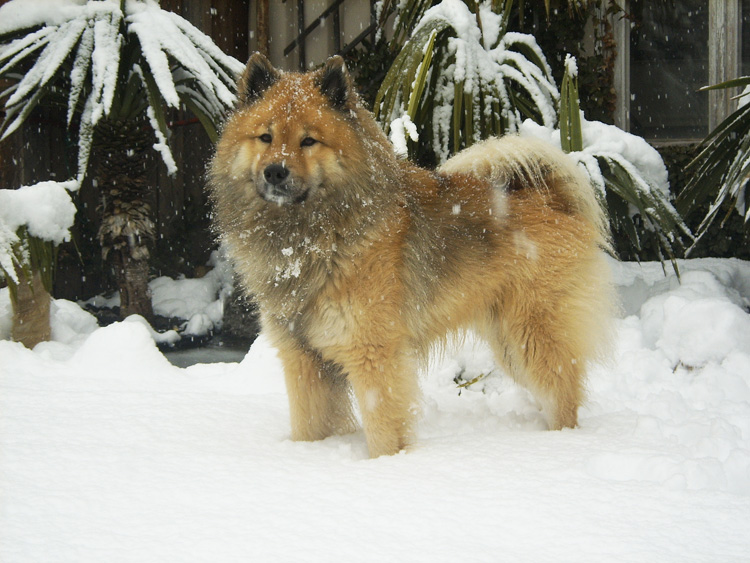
360,261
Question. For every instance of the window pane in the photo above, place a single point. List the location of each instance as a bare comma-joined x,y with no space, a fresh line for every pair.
668,63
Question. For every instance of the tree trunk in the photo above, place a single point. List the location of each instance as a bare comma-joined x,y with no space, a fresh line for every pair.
121,163
132,281
31,305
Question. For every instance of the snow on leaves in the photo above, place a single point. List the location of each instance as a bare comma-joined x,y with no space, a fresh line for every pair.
113,64
45,210
480,73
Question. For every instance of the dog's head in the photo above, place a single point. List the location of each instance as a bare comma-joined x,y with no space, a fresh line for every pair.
292,133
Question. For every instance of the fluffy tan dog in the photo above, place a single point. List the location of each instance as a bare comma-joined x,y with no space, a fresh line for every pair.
359,260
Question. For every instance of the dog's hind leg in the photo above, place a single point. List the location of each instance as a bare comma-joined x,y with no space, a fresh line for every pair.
540,357
319,401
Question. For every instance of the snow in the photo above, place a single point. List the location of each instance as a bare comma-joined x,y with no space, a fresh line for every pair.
486,64
110,453
599,139
199,301
44,208
571,65
401,128
31,13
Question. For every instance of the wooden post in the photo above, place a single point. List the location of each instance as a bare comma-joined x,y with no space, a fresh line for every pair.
264,35
723,57
300,32
621,28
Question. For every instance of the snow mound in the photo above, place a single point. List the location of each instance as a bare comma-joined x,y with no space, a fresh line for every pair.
697,322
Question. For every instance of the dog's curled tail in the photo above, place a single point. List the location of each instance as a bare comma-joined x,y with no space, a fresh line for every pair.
515,163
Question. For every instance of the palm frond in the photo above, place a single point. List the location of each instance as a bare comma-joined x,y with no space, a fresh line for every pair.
571,132
114,61
459,84
721,169
734,83
627,192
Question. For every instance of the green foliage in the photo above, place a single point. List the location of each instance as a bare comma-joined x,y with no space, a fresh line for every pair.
571,130
721,170
658,225
461,77
626,189
722,239
114,63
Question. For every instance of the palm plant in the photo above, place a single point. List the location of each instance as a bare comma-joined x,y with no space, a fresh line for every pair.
115,67
33,220
721,170
462,76
624,188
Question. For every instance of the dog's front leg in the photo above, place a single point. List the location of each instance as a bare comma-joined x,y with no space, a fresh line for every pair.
319,402
386,388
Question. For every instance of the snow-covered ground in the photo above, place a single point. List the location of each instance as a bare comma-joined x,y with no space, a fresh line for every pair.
110,453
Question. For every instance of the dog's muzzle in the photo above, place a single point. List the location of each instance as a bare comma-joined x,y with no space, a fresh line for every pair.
279,187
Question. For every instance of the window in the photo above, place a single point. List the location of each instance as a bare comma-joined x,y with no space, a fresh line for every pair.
668,63
666,51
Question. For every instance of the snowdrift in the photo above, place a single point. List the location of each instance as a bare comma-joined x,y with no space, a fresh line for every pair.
110,453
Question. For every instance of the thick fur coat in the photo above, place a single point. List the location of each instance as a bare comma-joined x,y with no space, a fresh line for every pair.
360,261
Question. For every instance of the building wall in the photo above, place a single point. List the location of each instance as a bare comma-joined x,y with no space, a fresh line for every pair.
354,17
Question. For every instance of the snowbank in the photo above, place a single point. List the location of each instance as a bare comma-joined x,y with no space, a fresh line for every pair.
112,454
199,301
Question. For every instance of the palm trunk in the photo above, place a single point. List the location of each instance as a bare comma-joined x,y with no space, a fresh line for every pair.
31,305
121,162
132,280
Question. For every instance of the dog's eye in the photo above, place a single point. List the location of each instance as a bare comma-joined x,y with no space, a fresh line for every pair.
266,138
308,142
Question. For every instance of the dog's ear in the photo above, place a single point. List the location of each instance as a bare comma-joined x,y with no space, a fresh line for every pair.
336,84
259,76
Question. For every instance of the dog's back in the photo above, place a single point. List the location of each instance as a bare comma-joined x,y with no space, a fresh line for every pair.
512,162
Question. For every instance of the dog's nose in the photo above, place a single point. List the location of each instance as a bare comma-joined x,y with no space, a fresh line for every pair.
275,174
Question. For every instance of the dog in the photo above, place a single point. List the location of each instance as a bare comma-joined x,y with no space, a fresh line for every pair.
360,261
